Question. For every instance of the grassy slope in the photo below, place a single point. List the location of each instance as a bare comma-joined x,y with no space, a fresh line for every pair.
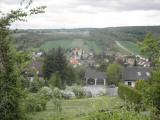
76,109
92,45
71,44
134,48
55,44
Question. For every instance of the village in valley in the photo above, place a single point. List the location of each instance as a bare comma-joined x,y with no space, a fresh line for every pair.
79,60
83,74
134,68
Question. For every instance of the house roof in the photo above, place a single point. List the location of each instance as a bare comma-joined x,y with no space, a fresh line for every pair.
35,65
136,73
91,73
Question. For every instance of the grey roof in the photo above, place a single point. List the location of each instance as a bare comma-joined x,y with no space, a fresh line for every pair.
136,73
35,64
91,73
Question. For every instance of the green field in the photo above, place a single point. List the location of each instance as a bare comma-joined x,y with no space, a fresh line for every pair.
94,46
132,47
86,45
55,44
77,109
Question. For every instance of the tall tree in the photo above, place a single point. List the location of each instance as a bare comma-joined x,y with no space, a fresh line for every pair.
61,61
9,74
55,81
114,73
151,47
152,93
61,64
56,61
49,64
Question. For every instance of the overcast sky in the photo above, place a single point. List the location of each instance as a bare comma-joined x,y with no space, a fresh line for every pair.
89,13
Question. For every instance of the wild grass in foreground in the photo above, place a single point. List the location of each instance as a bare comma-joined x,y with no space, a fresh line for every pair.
77,109
99,108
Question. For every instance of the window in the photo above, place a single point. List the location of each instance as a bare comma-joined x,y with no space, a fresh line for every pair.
139,74
148,74
129,83
100,82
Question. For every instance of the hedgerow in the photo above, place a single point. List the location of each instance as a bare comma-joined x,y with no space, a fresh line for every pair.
129,94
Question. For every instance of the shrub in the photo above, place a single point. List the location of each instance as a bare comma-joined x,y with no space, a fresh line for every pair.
140,85
88,94
78,91
45,92
68,95
35,85
56,97
35,103
57,93
130,94
56,81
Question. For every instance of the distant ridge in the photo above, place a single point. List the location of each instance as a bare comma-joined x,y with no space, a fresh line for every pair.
102,36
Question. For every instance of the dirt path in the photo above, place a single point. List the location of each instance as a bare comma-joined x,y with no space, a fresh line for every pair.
121,46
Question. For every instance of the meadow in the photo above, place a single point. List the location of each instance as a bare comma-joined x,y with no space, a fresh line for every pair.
131,46
77,109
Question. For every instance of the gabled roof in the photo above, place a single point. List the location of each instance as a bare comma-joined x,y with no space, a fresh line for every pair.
136,73
35,65
91,73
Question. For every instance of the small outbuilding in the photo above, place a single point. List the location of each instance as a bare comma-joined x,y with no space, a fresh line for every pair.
94,77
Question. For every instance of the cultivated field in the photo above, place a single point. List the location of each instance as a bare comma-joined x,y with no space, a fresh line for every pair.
66,44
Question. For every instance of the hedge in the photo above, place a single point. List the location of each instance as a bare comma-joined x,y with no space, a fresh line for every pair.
130,94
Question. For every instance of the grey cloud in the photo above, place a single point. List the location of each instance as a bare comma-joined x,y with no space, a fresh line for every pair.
104,5
123,4
10,2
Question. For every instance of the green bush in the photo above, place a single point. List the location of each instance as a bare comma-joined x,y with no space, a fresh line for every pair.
45,93
129,94
116,115
35,103
78,91
68,95
140,85
56,98
57,93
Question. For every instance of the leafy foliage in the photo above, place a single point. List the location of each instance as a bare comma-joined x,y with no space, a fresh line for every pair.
116,115
153,91
55,81
141,85
35,103
129,94
45,92
10,92
114,73
56,98
55,61
78,91
35,85
150,47
58,71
